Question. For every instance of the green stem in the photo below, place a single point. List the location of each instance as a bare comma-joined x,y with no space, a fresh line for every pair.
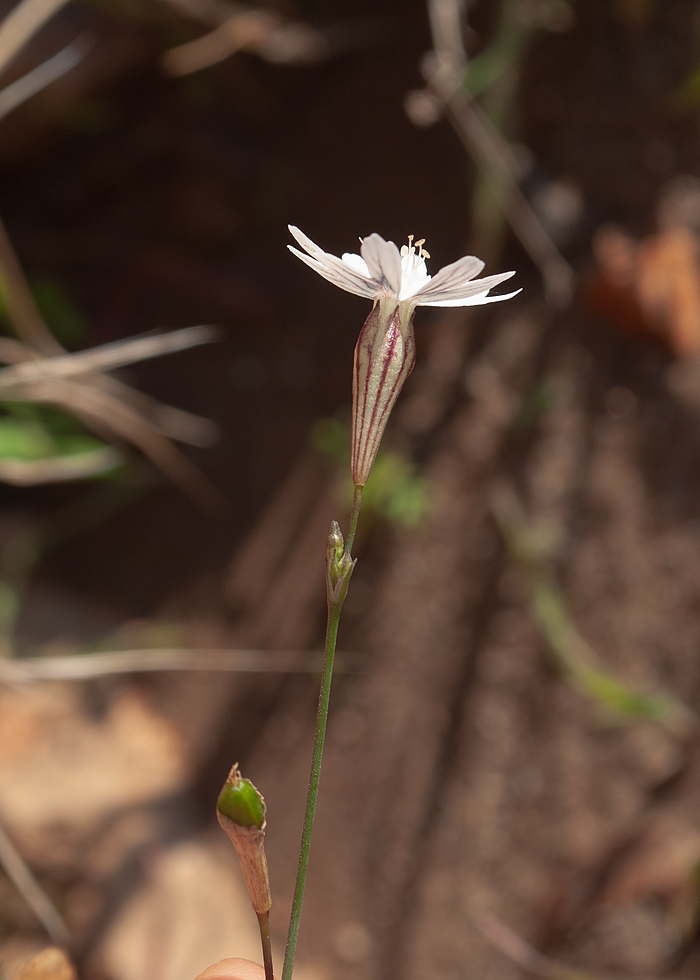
312,796
354,516
264,923
334,609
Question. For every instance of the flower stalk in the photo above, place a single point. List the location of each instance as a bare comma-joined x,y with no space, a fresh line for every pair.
339,568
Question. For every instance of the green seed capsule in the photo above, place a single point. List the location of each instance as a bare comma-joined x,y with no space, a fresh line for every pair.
240,801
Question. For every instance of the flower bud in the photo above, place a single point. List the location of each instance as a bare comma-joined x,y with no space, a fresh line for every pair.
339,566
334,550
384,358
240,810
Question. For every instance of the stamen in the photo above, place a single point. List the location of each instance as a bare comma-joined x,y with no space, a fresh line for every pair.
422,253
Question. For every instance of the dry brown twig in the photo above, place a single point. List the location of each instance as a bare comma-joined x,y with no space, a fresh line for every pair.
253,29
443,70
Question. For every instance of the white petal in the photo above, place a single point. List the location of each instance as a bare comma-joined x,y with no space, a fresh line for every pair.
356,262
311,247
383,261
332,268
458,295
456,274
479,299
339,274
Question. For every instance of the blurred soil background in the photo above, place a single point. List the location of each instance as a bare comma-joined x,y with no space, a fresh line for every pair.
513,741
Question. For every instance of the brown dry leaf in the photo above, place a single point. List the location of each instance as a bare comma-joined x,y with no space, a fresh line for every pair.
50,964
650,287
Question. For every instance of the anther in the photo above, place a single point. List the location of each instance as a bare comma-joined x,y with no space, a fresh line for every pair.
422,253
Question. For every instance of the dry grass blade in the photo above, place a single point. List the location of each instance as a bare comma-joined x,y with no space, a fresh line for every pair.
46,73
172,422
14,352
106,413
84,666
40,367
169,421
105,358
59,469
27,320
22,23
25,882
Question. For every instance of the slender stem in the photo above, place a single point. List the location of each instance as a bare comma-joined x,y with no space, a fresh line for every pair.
264,923
356,504
334,609
312,796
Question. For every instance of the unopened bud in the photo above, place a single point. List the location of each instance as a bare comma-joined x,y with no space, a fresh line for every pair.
336,545
240,810
339,565
384,358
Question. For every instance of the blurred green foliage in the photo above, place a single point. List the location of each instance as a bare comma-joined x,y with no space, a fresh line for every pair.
532,547
395,491
34,432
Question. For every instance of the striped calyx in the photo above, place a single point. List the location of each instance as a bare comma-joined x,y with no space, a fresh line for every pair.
384,358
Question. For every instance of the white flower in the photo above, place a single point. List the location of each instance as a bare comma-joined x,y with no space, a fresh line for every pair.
382,271
398,282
